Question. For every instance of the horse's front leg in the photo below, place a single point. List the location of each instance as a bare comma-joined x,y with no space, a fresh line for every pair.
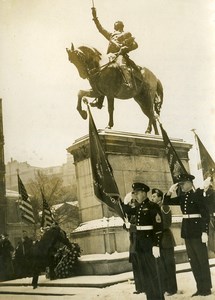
149,127
87,93
110,111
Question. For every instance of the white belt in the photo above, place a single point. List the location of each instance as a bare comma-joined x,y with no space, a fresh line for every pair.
150,227
191,216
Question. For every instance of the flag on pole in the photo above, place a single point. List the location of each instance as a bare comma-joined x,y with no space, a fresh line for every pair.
175,164
105,187
207,164
47,217
25,203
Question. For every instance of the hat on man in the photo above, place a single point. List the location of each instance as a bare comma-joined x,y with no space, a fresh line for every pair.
139,186
185,177
158,192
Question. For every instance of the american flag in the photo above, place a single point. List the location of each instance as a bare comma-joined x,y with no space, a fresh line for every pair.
25,203
47,218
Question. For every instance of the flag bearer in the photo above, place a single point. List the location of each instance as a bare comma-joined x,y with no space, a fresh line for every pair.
148,234
194,230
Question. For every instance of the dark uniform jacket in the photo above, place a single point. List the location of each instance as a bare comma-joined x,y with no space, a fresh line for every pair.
117,39
209,198
147,214
167,240
191,203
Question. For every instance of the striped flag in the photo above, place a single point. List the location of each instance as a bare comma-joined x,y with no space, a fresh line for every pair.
47,218
25,203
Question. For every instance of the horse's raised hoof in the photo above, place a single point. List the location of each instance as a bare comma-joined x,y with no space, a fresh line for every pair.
108,127
83,113
34,286
147,132
96,104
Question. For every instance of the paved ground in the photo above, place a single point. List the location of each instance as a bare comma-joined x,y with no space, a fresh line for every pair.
112,287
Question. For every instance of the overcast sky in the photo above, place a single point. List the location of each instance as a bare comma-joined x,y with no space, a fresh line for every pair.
39,86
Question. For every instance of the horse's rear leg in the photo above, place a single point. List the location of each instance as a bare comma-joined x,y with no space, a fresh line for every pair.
110,111
152,122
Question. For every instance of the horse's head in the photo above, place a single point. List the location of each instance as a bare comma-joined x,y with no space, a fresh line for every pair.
84,58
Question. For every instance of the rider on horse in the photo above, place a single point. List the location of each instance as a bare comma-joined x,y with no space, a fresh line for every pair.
120,44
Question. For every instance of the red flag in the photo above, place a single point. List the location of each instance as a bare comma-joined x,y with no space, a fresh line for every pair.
105,187
175,164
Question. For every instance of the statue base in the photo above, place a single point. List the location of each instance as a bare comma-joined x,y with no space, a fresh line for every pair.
133,157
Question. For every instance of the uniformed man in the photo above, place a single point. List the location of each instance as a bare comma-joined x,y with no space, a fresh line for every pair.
167,267
131,202
148,235
209,199
120,44
194,230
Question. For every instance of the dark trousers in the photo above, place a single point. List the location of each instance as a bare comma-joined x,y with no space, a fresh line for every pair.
137,272
168,270
211,241
151,276
198,257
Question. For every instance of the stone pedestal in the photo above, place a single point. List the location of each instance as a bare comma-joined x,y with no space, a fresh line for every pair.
133,157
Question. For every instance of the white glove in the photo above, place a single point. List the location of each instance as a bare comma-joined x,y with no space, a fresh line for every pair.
156,251
127,225
128,198
204,237
207,183
173,188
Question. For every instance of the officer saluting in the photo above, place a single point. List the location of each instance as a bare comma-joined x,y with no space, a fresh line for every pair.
148,236
194,230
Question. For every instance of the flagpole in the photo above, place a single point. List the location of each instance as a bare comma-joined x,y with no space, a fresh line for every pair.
85,101
19,210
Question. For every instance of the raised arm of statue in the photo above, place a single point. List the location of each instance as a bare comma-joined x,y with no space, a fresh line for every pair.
103,31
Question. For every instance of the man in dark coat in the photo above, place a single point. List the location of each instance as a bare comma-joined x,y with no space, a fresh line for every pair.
22,257
6,251
167,267
148,235
194,230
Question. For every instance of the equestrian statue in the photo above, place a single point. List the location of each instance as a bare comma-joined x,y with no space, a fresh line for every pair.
119,78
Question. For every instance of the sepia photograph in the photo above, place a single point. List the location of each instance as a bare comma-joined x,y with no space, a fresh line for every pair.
107,162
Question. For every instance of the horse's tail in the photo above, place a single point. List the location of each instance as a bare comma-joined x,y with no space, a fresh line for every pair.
158,100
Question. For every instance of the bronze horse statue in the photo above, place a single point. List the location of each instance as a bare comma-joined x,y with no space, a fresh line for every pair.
107,80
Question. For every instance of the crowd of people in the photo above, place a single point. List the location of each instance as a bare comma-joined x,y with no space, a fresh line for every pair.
152,242
19,261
